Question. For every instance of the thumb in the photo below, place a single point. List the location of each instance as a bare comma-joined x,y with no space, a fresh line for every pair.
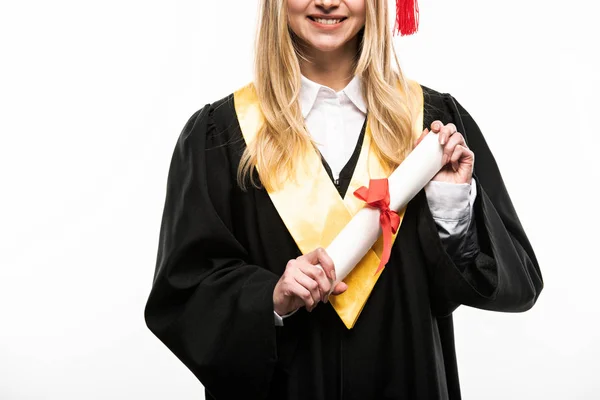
340,288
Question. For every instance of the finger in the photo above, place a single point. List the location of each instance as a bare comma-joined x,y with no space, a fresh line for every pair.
446,132
311,257
340,288
326,263
460,155
436,126
312,286
455,140
300,292
318,275
320,257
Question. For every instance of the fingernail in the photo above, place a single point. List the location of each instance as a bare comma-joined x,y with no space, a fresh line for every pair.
326,299
443,141
333,275
436,126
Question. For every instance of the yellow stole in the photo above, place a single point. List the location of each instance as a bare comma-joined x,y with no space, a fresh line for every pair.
312,209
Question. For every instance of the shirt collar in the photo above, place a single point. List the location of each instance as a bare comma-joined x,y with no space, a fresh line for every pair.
309,91
354,93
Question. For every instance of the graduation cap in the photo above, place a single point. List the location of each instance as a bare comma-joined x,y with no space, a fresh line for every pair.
407,17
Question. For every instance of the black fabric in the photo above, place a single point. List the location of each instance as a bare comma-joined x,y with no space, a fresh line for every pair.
222,250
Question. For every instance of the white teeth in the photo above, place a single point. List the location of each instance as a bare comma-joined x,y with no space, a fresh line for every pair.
327,21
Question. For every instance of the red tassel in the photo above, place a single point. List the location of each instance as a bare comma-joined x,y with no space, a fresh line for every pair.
407,17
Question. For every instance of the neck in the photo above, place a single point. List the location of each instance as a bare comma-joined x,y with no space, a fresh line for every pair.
334,69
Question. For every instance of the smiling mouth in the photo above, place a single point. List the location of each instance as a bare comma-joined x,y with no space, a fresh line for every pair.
327,21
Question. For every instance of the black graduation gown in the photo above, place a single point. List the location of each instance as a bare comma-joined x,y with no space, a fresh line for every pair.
222,250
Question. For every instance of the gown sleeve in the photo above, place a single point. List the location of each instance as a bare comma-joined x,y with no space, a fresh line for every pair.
210,307
504,274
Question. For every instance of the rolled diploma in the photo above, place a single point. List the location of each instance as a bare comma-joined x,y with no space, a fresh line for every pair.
363,230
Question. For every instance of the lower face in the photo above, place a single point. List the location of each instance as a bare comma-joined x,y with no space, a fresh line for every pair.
326,26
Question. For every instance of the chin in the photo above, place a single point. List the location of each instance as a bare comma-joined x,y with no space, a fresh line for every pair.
326,45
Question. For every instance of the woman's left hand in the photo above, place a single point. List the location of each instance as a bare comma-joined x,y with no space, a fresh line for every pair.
458,159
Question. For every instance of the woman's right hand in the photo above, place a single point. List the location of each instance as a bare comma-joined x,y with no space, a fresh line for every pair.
304,283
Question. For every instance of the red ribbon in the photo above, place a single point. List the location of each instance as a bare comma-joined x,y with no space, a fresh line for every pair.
378,196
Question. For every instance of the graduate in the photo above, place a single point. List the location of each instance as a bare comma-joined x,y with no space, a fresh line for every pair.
244,293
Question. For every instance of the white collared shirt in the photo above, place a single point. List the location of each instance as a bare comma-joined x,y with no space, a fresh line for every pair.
333,119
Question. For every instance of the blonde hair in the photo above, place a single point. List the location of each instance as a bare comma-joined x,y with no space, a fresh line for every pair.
283,138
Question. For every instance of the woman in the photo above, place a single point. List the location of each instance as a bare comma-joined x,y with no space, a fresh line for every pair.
262,180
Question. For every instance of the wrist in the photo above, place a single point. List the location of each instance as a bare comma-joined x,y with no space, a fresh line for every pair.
457,180
278,307
280,310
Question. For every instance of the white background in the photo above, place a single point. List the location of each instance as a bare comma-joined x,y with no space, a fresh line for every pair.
93,95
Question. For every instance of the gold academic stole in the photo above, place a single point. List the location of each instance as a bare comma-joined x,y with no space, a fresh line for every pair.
312,209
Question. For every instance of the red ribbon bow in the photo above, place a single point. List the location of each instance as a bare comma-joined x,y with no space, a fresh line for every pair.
378,196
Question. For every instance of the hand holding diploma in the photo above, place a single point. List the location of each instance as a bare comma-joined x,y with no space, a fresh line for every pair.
458,160
307,280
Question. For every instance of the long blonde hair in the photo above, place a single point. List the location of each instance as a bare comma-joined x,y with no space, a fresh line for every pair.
283,136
